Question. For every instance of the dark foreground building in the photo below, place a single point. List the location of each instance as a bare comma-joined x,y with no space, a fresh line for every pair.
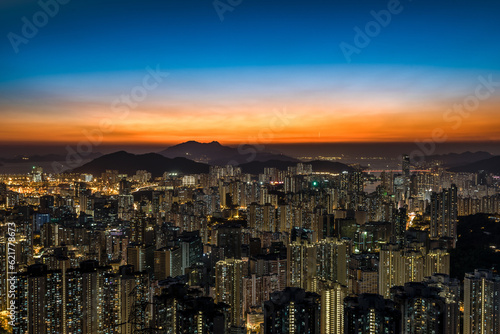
292,310
370,314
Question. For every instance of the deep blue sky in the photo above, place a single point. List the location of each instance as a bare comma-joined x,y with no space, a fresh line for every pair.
103,35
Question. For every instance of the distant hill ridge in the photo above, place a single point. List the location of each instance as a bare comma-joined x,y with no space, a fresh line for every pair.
128,163
156,164
491,165
458,159
216,154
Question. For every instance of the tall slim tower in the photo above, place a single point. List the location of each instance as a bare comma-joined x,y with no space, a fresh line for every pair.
301,264
228,287
444,213
331,257
390,268
399,222
332,306
405,168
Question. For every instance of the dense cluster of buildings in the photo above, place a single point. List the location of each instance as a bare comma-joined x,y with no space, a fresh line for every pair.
285,251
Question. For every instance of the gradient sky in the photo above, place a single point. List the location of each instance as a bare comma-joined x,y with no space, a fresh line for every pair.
228,80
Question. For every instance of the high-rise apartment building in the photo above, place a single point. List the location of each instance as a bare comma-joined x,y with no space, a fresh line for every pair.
405,168
167,262
301,264
332,306
331,257
444,214
325,260
481,303
229,238
83,297
39,299
449,290
228,288
398,266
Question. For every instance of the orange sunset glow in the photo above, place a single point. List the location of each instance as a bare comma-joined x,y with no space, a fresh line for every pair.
293,123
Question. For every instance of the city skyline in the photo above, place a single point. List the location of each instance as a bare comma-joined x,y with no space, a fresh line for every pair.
249,167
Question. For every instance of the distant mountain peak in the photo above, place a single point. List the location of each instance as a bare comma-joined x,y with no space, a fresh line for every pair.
194,142
124,153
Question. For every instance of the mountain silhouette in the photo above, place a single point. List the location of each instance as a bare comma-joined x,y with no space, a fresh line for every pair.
128,163
491,165
216,154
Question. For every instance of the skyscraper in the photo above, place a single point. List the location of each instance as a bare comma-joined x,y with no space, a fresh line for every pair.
325,260
136,256
133,298
4,270
437,261
399,220
405,167
228,287
332,306
481,302
83,297
332,259
390,269
125,299
301,264
39,298
191,249
398,266
444,213
229,238
167,262
449,290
